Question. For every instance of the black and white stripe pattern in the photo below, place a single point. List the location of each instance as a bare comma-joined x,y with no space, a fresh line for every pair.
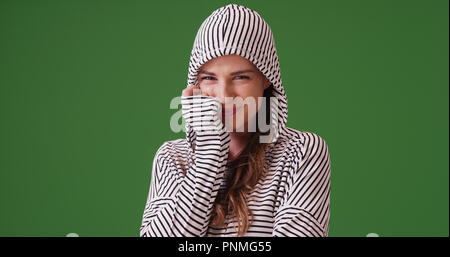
293,196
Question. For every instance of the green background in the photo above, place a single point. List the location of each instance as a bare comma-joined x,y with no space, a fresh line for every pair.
85,88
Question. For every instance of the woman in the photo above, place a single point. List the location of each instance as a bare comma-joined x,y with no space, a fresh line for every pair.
225,178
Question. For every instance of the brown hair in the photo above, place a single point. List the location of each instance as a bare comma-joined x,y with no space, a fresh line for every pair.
245,172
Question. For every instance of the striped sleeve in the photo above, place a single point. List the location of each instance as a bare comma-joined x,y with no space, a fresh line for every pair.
178,204
304,210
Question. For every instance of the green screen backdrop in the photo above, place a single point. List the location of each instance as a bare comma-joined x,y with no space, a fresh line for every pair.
85,88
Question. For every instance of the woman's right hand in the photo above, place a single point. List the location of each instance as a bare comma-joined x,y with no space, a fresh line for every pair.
201,111
190,90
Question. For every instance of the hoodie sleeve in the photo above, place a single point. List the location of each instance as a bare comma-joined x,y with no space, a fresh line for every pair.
304,211
181,205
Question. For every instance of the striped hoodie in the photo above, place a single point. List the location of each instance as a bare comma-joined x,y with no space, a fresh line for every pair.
293,196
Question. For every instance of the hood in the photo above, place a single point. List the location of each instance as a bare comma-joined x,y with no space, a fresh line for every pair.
235,29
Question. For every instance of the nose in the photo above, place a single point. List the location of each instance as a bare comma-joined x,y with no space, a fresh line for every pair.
223,90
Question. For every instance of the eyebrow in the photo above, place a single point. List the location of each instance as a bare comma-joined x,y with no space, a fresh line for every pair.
233,73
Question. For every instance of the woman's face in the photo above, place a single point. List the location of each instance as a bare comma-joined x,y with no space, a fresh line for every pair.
233,76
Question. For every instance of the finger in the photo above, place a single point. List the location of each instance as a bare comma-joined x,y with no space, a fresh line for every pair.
196,90
187,91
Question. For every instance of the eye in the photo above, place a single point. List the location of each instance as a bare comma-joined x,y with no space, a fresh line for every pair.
244,77
207,78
